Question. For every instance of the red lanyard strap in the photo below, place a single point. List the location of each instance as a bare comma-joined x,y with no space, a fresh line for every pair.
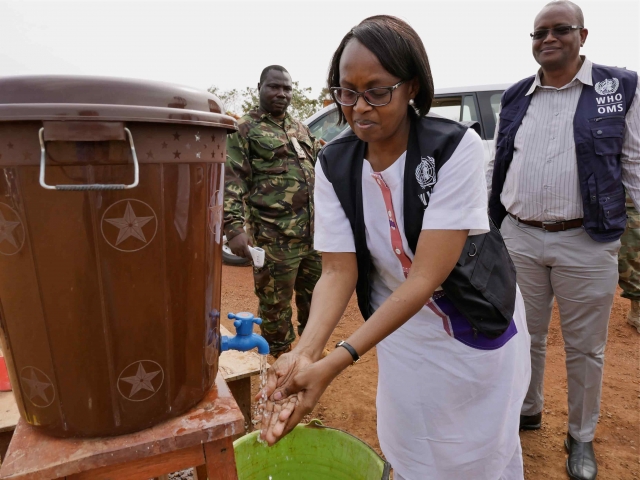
398,249
396,238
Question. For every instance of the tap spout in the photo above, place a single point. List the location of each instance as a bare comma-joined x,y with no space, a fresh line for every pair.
244,339
245,343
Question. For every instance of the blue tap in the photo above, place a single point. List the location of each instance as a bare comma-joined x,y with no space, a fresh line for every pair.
245,339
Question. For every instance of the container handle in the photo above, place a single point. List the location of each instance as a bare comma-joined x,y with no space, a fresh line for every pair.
93,186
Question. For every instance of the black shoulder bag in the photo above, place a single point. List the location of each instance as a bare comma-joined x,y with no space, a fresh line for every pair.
482,285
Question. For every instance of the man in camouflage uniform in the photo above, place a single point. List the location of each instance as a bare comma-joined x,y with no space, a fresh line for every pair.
270,167
629,264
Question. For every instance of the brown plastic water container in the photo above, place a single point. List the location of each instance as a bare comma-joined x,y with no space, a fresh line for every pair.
110,249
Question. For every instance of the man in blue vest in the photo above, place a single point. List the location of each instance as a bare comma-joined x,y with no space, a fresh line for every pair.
567,148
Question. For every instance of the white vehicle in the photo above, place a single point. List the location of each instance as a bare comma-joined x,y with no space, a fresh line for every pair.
464,104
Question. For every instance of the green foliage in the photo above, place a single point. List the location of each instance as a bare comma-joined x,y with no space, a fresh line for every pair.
251,99
230,98
239,102
325,95
301,105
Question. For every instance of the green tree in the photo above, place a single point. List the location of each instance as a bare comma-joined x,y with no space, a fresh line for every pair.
230,98
325,96
302,106
251,99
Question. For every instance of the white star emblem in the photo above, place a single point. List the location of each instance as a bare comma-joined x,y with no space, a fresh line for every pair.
130,225
6,229
37,389
141,380
197,137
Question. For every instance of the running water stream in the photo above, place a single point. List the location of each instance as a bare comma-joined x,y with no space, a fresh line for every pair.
258,407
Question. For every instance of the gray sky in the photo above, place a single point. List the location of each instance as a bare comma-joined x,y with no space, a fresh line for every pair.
227,43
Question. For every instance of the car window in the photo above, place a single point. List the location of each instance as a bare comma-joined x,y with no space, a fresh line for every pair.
469,113
456,108
489,105
495,104
326,127
447,107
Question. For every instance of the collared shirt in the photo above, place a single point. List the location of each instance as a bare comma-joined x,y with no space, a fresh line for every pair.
270,169
542,182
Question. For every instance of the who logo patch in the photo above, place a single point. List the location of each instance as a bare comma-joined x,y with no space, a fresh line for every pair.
426,177
426,173
608,86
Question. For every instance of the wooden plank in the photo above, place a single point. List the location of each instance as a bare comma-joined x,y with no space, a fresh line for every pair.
235,365
5,441
221,462
145,468
36,456
201,472
9,414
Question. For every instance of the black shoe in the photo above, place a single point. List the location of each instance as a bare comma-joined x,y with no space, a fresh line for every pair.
531,422
581,464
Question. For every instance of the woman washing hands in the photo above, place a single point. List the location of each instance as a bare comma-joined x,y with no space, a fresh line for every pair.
400,210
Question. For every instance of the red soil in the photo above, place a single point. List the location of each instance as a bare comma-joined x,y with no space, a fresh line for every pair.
349,402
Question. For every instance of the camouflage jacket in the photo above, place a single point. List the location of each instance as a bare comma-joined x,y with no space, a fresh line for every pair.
270,169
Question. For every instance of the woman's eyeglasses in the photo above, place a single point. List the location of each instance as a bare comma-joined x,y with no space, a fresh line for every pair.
559,31
376,97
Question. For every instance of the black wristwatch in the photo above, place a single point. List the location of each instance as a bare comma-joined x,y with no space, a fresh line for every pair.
349,349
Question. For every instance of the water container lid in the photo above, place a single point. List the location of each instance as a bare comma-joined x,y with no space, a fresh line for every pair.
65,97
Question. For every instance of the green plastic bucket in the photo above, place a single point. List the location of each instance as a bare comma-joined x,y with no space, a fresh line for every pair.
309,452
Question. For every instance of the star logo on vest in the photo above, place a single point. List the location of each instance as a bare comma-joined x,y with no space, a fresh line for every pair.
141,380
608,86
134,221
37,386
426,177
12,232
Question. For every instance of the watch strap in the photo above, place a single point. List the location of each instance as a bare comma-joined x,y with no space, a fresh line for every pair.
349,349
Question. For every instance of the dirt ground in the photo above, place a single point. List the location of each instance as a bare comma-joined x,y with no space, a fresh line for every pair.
349,403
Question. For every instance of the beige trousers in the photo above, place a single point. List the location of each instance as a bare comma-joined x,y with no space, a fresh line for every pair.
582,275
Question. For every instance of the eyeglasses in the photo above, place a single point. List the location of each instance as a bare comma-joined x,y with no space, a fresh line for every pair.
559,31
376,97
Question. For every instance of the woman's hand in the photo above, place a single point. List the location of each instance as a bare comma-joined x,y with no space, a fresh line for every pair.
270,412
330,298
299,397
281,373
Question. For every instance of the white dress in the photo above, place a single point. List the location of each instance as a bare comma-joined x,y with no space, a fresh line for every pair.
448,402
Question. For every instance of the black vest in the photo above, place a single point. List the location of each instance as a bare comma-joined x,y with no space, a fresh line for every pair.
483,292
598,131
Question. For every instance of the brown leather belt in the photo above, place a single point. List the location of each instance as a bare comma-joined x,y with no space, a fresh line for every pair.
551,226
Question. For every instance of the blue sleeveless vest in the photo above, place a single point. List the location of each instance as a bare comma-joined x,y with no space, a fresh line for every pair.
598,129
